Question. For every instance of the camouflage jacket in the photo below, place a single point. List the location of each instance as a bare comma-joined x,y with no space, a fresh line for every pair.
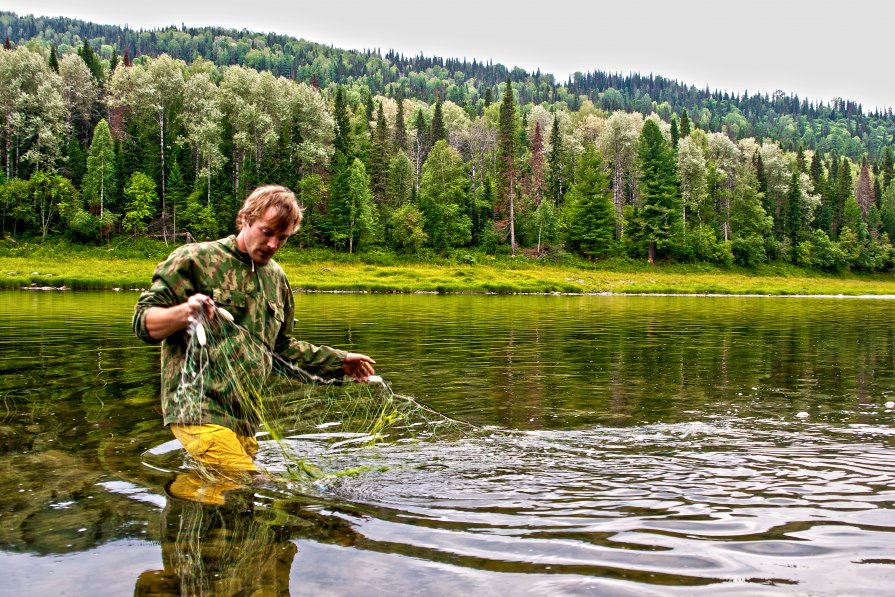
261,302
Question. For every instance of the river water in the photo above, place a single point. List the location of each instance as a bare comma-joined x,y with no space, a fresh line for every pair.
616,446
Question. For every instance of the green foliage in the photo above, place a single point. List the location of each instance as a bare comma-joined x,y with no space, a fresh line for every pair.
704,245
82,226
15,207
556,178
89,57
659,214
199,218
506,152
437,132
51,195
443,197
820,252
749,251
141,204
99,187
228,122
590,213
408,232
353,219
547,223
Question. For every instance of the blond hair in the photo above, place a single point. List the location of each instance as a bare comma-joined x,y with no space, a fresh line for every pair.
281,199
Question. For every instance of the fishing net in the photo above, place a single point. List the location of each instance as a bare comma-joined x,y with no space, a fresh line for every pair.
307,424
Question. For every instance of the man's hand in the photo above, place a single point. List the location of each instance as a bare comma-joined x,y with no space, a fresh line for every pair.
358,367
198,302
161,322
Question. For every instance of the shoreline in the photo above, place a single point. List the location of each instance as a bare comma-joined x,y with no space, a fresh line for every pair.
317,271
475,293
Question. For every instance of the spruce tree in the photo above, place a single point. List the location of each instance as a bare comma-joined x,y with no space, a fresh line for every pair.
400,139
76,160
675,133
341,143
659,216
379,157
555,162
437,132
591,212
844,186
54,60
816,171
794,211
92,62
685,124
368,105
506,153
887,169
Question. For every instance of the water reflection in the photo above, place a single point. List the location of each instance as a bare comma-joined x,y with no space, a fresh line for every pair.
625,446
219,549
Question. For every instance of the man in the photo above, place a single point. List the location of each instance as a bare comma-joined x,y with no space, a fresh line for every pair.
237,274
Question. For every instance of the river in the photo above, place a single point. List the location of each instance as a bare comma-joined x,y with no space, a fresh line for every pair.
615,445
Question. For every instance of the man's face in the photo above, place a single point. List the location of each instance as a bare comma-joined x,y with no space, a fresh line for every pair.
262,239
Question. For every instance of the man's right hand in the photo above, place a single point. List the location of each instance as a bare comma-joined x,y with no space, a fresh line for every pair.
161,322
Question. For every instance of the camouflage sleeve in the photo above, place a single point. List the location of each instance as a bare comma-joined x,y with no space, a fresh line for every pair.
172,283
319,360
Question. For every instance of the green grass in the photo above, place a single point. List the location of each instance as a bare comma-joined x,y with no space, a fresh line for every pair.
128,264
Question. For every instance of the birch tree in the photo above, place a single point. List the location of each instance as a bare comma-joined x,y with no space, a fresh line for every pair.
692,173
80,93
151,92
203,124
253,107
618,144
726,156
777,178
32,110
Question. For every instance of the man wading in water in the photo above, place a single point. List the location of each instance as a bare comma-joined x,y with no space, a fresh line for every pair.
238,274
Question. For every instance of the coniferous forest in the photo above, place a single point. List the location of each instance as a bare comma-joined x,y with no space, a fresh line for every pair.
109,131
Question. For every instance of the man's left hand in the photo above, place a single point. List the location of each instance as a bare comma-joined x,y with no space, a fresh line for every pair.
358,367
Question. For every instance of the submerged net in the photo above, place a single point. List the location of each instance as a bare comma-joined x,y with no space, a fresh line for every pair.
293,408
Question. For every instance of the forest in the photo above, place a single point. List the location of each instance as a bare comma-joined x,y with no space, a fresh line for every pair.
109,131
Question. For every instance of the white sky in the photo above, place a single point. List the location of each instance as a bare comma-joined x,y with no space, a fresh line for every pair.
816,49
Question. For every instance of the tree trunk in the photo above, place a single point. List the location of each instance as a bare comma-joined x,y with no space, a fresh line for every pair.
512,220
652,252
618,198
8,145
161,128
236,185
102,184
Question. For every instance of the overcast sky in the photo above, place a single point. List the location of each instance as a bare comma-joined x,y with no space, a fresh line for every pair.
815,49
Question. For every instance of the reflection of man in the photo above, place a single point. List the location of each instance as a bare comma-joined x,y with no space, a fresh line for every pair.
219,550
238,274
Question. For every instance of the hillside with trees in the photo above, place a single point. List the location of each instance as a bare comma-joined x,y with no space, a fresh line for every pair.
106,131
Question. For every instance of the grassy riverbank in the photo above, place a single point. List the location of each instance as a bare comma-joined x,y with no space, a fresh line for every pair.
129,265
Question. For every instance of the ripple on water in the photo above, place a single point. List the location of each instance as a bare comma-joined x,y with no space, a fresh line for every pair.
703,502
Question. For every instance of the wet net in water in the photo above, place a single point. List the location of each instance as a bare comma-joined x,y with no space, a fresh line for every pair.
307,424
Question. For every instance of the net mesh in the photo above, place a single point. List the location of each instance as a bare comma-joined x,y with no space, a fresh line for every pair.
294,408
